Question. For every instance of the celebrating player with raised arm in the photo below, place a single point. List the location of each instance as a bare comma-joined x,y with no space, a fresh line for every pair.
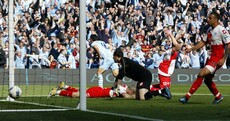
167,66
217,37
106,58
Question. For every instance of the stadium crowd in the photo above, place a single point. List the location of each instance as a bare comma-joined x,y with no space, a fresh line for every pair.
47,31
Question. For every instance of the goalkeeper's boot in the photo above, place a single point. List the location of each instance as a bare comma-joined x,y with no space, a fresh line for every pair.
52,93
61,85
183,100
217,100
148,95
166,93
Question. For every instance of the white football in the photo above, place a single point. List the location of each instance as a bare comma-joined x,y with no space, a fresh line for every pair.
15,92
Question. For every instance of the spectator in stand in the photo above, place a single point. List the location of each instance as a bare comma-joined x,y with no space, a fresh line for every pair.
185,62
54,51
158,58
2,57
62,60
58,22
33,60
44,53
72,60
148,62
20,60
90,57
195,60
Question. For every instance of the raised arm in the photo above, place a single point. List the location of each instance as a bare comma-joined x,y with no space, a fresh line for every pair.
176,44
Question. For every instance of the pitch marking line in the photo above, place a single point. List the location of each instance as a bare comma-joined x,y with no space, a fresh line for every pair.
61,108
179,94
125,115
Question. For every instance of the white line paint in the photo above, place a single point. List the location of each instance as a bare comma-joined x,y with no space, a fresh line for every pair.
125,115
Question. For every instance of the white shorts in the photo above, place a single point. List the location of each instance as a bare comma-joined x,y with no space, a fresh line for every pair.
106,64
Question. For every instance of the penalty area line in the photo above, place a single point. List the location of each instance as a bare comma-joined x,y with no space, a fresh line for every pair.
181,94
125,115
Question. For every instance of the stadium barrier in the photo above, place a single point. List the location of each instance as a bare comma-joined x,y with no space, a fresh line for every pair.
38,76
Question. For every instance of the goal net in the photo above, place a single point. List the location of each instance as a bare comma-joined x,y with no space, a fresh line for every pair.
35,85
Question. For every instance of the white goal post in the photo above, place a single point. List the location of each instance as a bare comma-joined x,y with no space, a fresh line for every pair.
11,79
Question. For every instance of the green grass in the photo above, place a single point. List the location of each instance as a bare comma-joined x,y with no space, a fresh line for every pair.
198,108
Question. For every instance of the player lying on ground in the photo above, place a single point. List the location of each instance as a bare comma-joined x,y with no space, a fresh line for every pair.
92,92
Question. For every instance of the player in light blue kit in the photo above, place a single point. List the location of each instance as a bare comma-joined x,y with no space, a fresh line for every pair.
106,58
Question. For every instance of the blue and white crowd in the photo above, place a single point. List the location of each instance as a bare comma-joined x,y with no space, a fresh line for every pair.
46,32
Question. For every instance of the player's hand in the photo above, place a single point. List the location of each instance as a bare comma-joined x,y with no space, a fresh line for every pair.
115,90
188,49
111,93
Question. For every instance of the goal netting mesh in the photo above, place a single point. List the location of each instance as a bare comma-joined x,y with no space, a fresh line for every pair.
35,85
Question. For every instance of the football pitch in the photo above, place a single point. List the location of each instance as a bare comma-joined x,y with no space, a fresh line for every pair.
119,109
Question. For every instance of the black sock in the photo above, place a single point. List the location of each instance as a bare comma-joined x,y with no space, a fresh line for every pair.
154,93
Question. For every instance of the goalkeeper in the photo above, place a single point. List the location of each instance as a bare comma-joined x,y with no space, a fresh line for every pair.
137,73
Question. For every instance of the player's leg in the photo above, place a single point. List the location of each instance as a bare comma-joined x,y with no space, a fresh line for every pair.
62,85
165,92
115,69
143,87
102,68
212,87
155,87
165,81
66,93
197,83
142,93
100,76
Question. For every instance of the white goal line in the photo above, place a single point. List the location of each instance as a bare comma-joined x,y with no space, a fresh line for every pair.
61,108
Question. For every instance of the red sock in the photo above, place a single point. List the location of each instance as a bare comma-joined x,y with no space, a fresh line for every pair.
196,84
66,93
212,87
72,89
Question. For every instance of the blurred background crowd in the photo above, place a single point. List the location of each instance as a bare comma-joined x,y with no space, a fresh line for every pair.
46,32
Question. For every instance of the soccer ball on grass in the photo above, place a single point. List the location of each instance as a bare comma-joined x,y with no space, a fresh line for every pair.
15,92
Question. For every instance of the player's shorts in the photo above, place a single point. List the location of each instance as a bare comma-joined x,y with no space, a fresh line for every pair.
145,82
211,64
165,81
106,64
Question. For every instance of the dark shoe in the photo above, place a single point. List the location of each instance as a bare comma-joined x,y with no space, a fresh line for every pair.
216,100
148,96
183,100
166,93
